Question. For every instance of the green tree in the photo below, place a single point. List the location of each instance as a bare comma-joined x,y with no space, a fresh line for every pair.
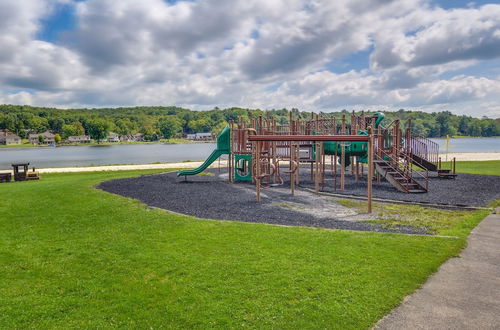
98,129
39,124
68,130
169,126
79,130
57,138
475,128
149,133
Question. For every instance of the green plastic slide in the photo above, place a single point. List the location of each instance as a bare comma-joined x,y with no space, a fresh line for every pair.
223,148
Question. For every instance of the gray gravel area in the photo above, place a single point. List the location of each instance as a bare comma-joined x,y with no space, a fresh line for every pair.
212,197
464,190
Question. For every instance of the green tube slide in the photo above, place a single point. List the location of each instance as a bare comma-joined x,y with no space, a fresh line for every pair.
223,148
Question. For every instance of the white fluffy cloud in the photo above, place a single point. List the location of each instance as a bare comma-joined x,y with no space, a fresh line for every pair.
254,53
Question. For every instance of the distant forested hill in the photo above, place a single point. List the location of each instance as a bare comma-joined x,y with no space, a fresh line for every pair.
153,121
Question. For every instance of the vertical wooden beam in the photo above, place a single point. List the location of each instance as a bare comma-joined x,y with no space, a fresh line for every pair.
297,159
292,172
317,169
231,152
342,157
370,169
323,162
257,170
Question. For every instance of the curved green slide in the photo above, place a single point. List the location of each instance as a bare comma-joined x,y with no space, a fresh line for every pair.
223,148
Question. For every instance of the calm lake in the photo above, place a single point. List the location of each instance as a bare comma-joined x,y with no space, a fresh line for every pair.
153,153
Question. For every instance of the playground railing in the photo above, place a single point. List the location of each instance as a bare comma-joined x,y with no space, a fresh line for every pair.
423,148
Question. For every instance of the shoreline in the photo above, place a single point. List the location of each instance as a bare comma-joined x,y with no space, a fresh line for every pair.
183,165
463,156
92,144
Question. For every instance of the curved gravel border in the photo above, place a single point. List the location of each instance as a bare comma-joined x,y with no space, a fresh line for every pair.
212,197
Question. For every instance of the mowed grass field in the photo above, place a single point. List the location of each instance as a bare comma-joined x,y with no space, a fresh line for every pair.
487,167
72,256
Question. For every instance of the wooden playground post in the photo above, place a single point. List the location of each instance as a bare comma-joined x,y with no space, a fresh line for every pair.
292,170
257,170
323,164
297,160
231,152
370,168
335,169
342,157
317,169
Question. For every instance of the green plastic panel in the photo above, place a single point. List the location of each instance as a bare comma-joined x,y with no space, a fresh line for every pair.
243,167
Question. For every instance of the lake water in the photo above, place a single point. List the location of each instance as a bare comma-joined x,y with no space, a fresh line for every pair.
153,153
470,145
69,156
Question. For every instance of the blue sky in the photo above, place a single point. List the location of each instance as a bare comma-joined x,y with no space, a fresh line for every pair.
317,56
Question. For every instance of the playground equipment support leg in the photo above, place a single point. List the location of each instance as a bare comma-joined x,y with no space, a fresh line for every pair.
257,170
370,169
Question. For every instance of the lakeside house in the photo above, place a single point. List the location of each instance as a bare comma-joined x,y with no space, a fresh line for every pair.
113,137
79,139
200,137
136,137
8,138
47,138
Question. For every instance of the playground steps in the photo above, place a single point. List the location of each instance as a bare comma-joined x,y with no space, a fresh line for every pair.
398,178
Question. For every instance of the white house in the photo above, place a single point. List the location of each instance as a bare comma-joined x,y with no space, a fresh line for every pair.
79,139
200,136
113,137
47,137
8,138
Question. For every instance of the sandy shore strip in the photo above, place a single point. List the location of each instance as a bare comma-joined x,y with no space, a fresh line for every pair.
460,156
124,167
476,156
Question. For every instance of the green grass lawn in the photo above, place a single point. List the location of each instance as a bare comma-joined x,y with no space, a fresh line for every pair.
74,256
487,167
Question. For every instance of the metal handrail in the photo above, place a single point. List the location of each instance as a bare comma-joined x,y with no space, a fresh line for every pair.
426,177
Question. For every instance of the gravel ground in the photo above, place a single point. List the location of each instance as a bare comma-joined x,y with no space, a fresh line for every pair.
212,197
464,190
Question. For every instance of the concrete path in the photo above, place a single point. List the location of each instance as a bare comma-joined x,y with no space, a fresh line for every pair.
463,294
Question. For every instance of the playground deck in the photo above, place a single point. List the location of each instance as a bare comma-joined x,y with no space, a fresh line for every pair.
211,197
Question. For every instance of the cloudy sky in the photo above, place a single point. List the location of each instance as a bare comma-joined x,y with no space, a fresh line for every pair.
316,55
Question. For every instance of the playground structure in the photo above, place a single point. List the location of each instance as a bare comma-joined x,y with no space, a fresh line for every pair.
263,151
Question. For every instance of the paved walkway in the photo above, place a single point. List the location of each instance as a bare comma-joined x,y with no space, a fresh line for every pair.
464,294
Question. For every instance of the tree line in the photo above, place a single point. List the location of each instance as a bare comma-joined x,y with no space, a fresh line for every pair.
169,122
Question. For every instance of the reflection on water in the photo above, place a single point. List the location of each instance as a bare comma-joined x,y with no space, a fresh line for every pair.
161,153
